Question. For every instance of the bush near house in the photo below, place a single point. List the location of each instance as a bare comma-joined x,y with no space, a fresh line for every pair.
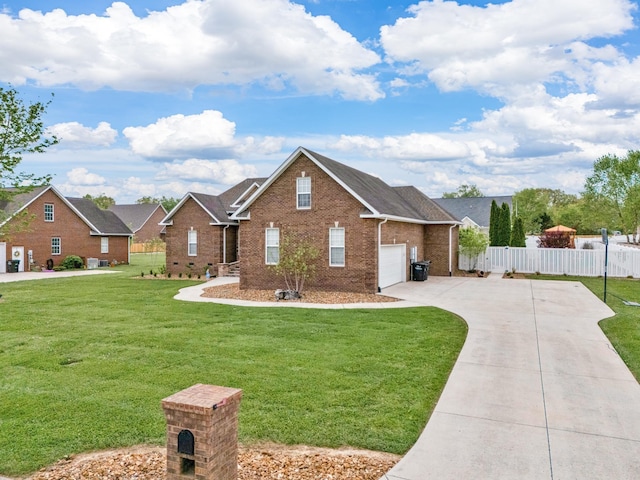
71,262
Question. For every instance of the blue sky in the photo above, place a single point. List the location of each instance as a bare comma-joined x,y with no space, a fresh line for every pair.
161,98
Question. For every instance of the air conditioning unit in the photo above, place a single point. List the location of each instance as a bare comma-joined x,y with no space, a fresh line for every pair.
104,263
92,263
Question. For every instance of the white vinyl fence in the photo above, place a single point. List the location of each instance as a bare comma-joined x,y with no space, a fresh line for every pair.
556,261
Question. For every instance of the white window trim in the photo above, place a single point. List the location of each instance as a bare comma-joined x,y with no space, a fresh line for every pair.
267,245
192,239
59,246
104,244
332,247
299,192
52,212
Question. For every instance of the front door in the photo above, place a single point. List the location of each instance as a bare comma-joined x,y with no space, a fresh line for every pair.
17,253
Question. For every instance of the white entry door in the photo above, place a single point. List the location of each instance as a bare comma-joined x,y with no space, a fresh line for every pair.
392,263
17,253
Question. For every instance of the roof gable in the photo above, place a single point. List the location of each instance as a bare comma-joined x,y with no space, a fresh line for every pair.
136,215
379,199
21,201
211,204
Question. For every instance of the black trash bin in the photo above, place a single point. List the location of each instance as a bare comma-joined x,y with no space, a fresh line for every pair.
420,271
9,266
15,265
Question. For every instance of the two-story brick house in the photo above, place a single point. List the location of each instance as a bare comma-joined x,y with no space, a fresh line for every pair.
366,231
42,226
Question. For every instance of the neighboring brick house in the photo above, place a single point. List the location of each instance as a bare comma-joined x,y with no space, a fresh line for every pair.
367,232
57,227
200,236
143,219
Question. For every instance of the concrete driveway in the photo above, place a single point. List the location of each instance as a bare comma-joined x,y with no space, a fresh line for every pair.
537,392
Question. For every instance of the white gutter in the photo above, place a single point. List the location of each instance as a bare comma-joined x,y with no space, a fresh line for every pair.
450,248
224,244
380,249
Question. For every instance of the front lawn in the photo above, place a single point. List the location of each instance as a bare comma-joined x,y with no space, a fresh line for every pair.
85,362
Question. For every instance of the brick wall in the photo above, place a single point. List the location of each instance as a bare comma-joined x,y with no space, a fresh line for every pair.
330,203
151,230
410,234
210,241
436,247
72,231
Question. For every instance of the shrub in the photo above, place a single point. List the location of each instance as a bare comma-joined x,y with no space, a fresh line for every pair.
71,262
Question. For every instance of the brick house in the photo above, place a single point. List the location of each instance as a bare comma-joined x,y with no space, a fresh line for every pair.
367,232
199,234
57,227
143,219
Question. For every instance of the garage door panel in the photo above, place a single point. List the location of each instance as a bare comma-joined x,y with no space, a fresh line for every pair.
392,265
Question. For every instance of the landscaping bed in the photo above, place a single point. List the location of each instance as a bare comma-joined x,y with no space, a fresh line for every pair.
232,291
263,462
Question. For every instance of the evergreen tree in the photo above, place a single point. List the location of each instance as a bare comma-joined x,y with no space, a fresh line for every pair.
493,223
518,238
503,231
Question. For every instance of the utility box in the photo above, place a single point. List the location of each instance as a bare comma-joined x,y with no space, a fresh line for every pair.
92,263
202,433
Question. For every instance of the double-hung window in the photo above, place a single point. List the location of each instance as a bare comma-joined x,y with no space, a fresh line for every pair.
303,193
272,246
48,212
336,247
192,243
56,246
104,244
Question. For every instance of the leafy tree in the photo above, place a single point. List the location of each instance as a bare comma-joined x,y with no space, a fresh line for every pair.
464,191
472,243
102,201
538,205
518,238
21,132
494,221
614,189
167,202
296,262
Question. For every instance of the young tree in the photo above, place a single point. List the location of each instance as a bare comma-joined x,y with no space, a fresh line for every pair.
614,187
21,132
472,243
464,191
297,261
518,238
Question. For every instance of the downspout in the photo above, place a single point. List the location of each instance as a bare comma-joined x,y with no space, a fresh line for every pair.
224,244
451,248
380,249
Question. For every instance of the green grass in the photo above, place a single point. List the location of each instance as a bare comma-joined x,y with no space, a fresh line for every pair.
85,362
623,329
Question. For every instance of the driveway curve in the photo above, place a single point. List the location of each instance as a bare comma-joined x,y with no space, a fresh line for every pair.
537,392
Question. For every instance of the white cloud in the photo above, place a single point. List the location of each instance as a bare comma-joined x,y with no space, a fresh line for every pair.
81,176
74,134
228,172
179,136
209,42
500,46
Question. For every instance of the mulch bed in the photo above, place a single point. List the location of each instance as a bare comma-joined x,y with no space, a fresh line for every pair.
266,462
232,291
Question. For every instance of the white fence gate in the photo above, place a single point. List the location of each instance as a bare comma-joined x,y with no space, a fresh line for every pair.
556,261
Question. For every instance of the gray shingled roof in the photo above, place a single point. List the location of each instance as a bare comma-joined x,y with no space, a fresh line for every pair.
407,202
135,215
213,205
18,201
477,209
231,195
104,221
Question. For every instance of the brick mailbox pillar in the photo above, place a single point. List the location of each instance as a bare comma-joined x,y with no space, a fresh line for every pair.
202,433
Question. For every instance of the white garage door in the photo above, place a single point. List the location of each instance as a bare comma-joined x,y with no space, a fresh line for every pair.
392,265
